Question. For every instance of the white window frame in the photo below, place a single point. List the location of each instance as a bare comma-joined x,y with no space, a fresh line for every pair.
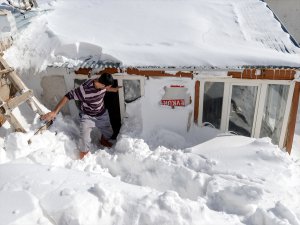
260,102
120,77
227,110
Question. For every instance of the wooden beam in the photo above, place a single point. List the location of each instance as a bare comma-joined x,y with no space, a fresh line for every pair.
157,73
234,74
88,71
15,123
110,70
292,119
18,100
249,74
135,71
83,71
13,77
196,101
266,74
3,13
2,119
5,71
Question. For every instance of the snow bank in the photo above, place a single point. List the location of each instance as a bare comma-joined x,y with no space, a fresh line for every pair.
227,180
161,170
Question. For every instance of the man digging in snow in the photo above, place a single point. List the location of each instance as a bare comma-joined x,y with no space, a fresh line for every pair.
93,113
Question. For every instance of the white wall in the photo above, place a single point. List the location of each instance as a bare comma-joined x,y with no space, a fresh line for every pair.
288,12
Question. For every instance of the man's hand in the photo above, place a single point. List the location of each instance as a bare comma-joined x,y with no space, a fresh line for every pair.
49,116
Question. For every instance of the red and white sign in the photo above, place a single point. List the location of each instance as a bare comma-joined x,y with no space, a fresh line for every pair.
173,102
175,95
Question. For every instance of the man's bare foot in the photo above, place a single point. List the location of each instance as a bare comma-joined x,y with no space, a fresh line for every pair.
82,154
105,142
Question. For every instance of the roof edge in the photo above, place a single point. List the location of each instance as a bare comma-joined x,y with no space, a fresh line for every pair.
282,26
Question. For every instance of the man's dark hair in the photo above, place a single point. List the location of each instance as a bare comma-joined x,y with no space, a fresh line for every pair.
106,79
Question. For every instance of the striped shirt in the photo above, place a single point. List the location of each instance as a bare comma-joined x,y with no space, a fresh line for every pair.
91,99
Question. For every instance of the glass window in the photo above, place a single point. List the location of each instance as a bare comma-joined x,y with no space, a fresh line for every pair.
274,110
242,109
212,104
132,90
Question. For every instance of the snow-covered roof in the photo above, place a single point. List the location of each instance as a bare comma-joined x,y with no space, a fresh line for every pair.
201,33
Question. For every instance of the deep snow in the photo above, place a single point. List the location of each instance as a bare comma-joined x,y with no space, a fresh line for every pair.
156,173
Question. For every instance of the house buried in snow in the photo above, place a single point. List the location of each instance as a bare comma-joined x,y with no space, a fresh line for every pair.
239,71
226,64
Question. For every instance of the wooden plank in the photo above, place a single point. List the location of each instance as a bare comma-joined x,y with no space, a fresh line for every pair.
266,74
248,74
13,77
282,74
157,73
18,100
5,92
3,13
5,71
110,70
2,119
292,119
87,71
7,107
234,74
135,71
83,71
196,101
15,123
277,73
293,73
3,64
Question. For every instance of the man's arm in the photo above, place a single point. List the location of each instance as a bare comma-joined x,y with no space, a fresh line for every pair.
51,115
113,89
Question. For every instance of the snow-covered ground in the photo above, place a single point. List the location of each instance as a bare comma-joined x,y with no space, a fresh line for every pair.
226,180
154,174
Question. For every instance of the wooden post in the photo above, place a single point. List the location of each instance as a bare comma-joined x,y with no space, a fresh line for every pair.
196,102
292,119
15,123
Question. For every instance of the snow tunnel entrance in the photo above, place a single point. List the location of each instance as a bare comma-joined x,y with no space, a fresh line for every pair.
115,103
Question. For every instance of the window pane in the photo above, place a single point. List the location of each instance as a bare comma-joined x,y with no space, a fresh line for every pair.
242,109
132,90
212,104
274,111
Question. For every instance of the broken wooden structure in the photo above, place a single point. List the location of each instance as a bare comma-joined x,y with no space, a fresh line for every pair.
13,93
23,4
